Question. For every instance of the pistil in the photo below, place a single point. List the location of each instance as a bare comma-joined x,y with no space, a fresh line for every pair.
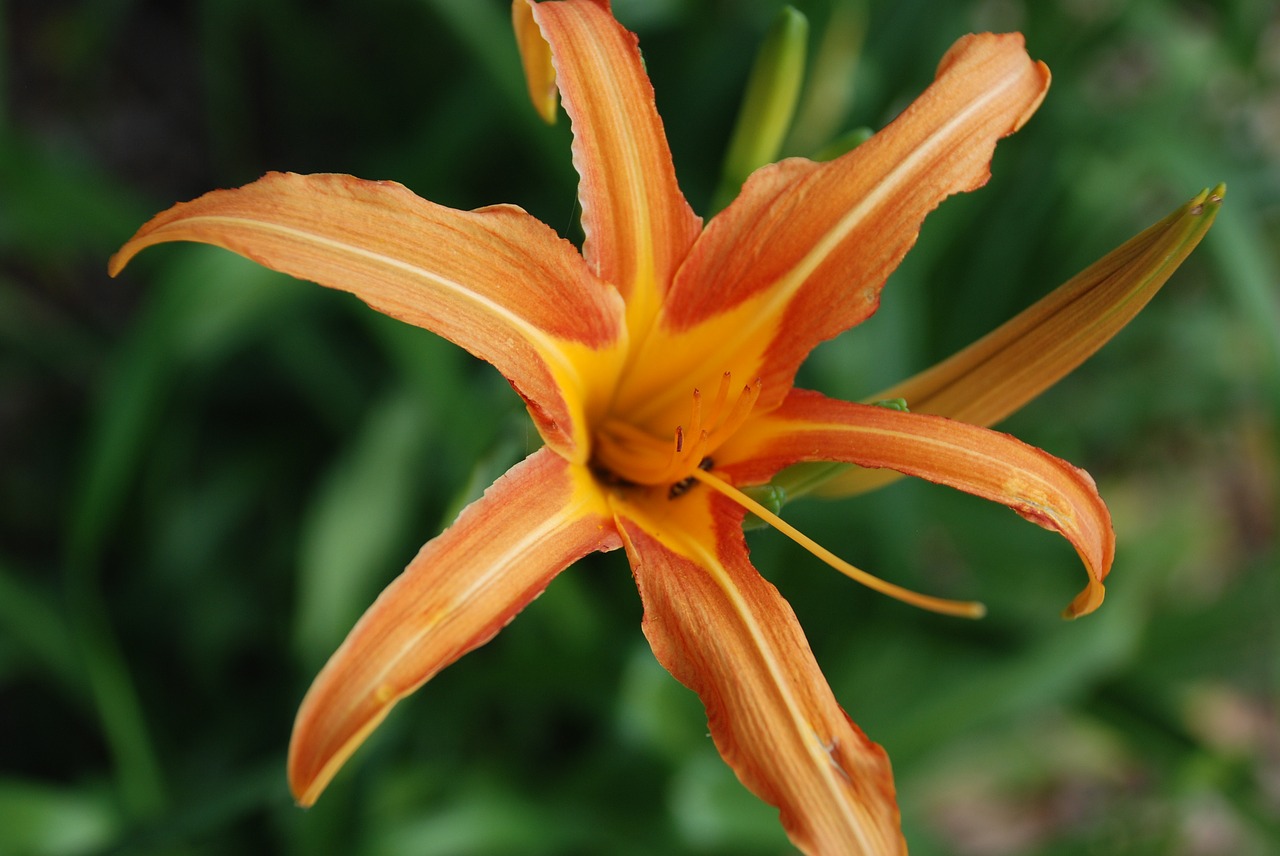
961,608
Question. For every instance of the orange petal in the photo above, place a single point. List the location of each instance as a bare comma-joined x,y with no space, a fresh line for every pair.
1045,490
803,252
460,590
495,281
638,225
725,632
1017,361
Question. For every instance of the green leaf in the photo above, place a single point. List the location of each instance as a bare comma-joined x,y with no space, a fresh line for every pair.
37,820
354,532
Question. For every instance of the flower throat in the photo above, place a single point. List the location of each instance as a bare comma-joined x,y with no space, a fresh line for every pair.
629,457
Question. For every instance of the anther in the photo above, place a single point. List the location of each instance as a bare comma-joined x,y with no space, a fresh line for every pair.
681,487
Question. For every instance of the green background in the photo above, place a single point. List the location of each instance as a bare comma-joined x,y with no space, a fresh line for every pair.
207,470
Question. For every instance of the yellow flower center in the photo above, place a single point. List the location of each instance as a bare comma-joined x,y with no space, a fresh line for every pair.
626,453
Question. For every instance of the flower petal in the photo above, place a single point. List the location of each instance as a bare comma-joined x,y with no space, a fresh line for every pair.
461,589
803,252
495,281
1010,366
638,225
1045,490
725,632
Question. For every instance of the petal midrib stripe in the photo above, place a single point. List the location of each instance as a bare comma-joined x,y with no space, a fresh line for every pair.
799,274
546,345
782,293
567,515
820,759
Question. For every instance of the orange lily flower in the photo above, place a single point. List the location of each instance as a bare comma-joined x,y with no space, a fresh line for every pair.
658,366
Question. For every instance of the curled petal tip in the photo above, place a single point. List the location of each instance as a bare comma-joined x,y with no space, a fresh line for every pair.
992,50
314,761
1085,602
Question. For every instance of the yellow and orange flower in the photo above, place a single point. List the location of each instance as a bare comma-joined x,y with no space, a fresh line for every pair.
658,366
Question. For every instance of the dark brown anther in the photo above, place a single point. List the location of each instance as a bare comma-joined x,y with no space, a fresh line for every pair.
682,487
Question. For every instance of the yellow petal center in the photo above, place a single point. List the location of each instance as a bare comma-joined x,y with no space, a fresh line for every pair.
627,453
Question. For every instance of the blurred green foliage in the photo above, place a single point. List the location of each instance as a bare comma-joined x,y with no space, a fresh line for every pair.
207,470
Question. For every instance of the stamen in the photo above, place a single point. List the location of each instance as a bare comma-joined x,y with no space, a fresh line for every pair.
639,455
961,608
741,409
722,393
707,428
695,417
721,426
